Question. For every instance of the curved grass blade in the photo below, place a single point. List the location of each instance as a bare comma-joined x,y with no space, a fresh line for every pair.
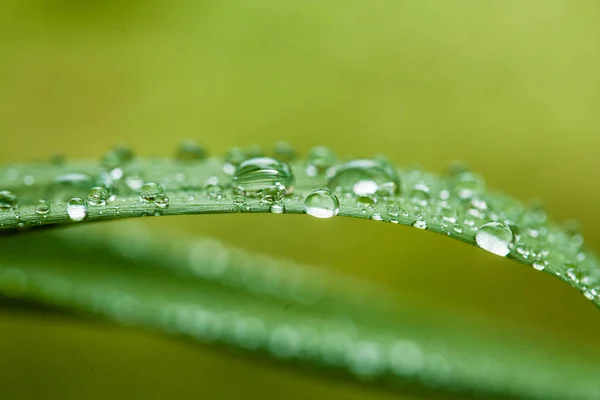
283,311
456,204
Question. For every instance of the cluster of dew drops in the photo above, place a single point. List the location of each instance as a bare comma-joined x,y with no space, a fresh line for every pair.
456,204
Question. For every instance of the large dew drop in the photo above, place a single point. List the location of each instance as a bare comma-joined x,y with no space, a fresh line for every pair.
322,203
495,237
365,177
77,209
262,173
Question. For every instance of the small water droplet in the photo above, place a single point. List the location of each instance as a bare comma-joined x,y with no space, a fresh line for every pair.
42,207
539,264
420,194
393,211
365,201
134,182
262,173
365,177
495,237
161,200
149,191
273,194
319,160
277,207
523,250
322,203
189,151
449,214
117,157
573,273
255,151
420,224
284,151
467,184
214,191
240,203
77,209
8,200
233,158
97,196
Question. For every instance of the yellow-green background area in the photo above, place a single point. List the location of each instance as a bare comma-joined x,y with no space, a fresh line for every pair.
510,87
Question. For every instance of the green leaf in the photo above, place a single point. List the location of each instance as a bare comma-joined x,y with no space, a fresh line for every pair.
293,313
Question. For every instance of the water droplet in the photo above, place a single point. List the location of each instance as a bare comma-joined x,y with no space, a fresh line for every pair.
161,200
189,151
322,203
7,200
117,157
573,273
365,178
259,174
495,237
42,207
420,224
240,203
273,194
214,191
467,184
393,211
255,151
77,209
319,160
365,201
149,191
539,265
277,207
134,182
449,214
284,151
420,194
233,158
97,196
523,250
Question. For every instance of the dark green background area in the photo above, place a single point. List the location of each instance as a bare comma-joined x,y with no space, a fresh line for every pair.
511,87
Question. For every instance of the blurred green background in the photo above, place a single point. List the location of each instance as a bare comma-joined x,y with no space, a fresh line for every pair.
511,87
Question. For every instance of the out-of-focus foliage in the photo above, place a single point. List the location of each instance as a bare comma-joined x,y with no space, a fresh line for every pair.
511,88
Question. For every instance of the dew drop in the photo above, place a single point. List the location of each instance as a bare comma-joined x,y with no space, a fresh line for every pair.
467,185
149,191
262,173
7,200
319,160
271,195
539,265
117,157
495,237
161,200
322,203
42,207
284,151
97,196
420,224
134,182
189,151
233,158
214,191
420,194
365,177
77,209
393,211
